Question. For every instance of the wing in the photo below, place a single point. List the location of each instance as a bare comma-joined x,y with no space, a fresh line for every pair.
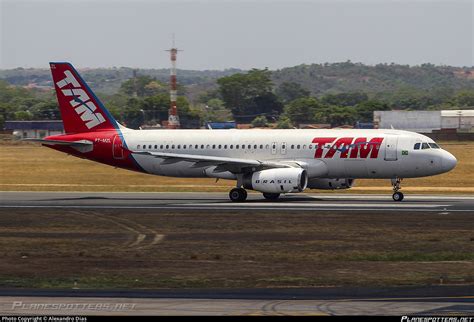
222,164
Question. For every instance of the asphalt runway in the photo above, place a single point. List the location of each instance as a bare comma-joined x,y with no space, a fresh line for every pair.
220,201
442,300
313,301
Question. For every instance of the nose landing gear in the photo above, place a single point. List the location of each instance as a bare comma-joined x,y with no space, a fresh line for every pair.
397,195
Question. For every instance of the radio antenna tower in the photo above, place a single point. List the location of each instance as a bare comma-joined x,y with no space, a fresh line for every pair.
173,118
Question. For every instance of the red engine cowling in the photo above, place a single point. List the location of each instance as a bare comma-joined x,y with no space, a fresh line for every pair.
330,184
282,180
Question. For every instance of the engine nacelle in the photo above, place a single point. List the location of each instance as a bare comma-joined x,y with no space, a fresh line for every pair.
282,180
330,184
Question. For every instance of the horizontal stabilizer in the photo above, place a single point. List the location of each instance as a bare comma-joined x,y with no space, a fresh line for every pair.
58,142
82,146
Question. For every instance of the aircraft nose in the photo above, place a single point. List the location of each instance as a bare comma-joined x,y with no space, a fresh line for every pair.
448,162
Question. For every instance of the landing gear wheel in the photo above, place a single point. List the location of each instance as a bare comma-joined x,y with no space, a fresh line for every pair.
271,196
238,194
397,196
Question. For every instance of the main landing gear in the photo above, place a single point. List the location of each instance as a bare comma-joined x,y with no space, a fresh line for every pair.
397,195
271,196
238,194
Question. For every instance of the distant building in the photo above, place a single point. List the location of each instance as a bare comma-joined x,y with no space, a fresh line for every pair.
314,126
364,125
34,129
220,125
425,121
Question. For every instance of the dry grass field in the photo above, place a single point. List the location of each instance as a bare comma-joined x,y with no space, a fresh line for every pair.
30,167
154,249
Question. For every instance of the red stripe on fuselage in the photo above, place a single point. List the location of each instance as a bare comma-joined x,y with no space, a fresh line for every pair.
103,149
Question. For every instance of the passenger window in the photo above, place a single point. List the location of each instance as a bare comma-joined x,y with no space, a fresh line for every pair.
249,146
156,147
208,146
213,146
219,147
304,147
225,146
310,146
138,146
231,146
267,146
179,146
255,147
425,146
236,146
298,146
243,146
261,146
149,147
292,146
184,146
167,146
417,146
161,147
172,147
196,146
202,146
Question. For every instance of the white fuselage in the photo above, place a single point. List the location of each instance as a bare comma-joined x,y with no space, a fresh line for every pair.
355,152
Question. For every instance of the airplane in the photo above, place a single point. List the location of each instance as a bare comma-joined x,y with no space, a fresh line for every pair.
272,161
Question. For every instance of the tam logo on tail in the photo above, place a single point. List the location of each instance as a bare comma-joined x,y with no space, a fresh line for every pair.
81,110
81,101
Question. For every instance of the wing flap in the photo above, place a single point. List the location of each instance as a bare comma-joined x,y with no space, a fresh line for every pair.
234,165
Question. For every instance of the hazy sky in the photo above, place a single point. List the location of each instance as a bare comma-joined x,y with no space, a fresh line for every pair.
243,34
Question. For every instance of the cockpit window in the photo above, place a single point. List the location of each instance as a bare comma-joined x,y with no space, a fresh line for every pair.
417,146
425,146
434,145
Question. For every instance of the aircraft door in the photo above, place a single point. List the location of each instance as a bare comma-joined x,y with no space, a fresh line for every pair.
117,149
274,148
283,148
391,143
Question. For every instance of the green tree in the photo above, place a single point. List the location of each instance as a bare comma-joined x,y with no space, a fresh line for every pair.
289,91
284,122
23,116
365,110
339,115
464,98
154,88
45,110
142,86
260,121
344,99
215,104
249,94
303,110
132,116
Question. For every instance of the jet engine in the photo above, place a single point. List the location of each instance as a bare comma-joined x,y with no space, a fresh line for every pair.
282,180
330,184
